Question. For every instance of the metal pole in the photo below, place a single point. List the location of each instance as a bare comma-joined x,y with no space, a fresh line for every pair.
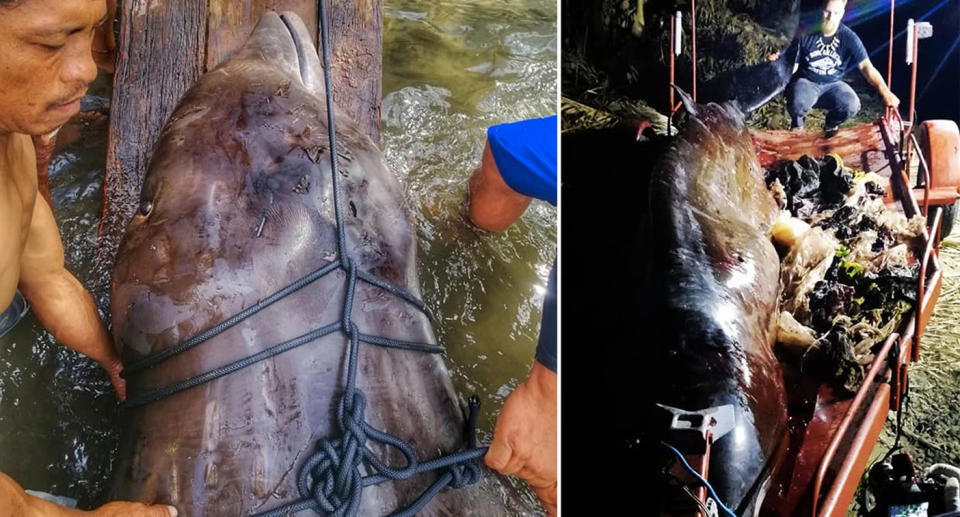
693,44
912,55
913,76
890,48
670,85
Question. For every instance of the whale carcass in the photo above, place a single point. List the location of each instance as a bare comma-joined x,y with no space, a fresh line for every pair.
237,203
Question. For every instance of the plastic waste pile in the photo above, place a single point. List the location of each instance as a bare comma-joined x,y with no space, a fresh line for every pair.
848,266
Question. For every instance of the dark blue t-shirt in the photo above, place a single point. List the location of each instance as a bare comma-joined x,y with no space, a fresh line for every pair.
827,60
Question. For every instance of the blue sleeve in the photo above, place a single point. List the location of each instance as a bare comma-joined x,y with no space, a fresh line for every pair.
526,156
792,54
855,50
547,346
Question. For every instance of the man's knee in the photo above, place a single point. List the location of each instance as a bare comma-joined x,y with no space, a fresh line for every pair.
800,98
796,104
844,103
853,105
797,109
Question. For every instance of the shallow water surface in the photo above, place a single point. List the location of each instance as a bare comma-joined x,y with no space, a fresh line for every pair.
451,69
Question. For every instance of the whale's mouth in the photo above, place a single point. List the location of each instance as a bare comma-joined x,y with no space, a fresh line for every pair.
307,59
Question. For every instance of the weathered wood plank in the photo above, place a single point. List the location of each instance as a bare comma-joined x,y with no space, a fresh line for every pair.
160,56
357,44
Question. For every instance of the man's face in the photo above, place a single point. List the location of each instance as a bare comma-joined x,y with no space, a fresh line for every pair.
832,14
45,61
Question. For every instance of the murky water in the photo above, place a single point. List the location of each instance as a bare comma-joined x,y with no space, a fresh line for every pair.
451,69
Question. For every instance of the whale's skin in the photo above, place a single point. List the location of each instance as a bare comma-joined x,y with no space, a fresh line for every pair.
709,302
237,203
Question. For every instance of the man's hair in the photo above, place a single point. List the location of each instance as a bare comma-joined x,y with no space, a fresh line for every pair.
825,2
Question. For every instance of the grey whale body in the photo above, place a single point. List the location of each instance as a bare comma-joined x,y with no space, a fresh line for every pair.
236,204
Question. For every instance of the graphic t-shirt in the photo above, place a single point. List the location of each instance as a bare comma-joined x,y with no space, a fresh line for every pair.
826,60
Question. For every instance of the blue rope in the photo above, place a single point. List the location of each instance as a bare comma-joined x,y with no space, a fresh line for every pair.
330,481
155,359
704,481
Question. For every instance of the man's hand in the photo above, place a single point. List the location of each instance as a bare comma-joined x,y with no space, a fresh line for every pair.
124,509
15,502
113,367
525,437
890,99
773,57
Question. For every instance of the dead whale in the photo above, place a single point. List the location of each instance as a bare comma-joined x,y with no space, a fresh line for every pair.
238,203
713,295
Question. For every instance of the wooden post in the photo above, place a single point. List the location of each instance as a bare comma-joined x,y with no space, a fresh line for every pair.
160,55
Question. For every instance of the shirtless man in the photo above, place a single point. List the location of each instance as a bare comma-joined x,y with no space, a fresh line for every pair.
46,62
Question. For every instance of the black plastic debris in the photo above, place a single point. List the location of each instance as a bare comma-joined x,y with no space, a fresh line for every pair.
811,185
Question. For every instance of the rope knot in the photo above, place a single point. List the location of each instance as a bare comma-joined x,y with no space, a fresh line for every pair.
331,477
331,480
464,474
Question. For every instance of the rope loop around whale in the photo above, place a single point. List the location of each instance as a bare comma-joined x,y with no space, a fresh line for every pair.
330,481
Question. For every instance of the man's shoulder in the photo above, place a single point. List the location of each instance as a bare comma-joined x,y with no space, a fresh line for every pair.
18,167
18,157
847,32
854,48
808,39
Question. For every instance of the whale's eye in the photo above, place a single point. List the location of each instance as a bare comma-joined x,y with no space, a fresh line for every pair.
146,206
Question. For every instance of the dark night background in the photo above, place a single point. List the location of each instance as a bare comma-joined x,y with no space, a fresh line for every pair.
607,63
938,61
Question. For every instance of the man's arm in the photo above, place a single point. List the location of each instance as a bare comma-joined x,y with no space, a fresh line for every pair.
525,437
776,55
873,77
59,301
494,206
15,502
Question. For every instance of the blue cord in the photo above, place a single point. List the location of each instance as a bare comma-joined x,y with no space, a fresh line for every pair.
704,481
